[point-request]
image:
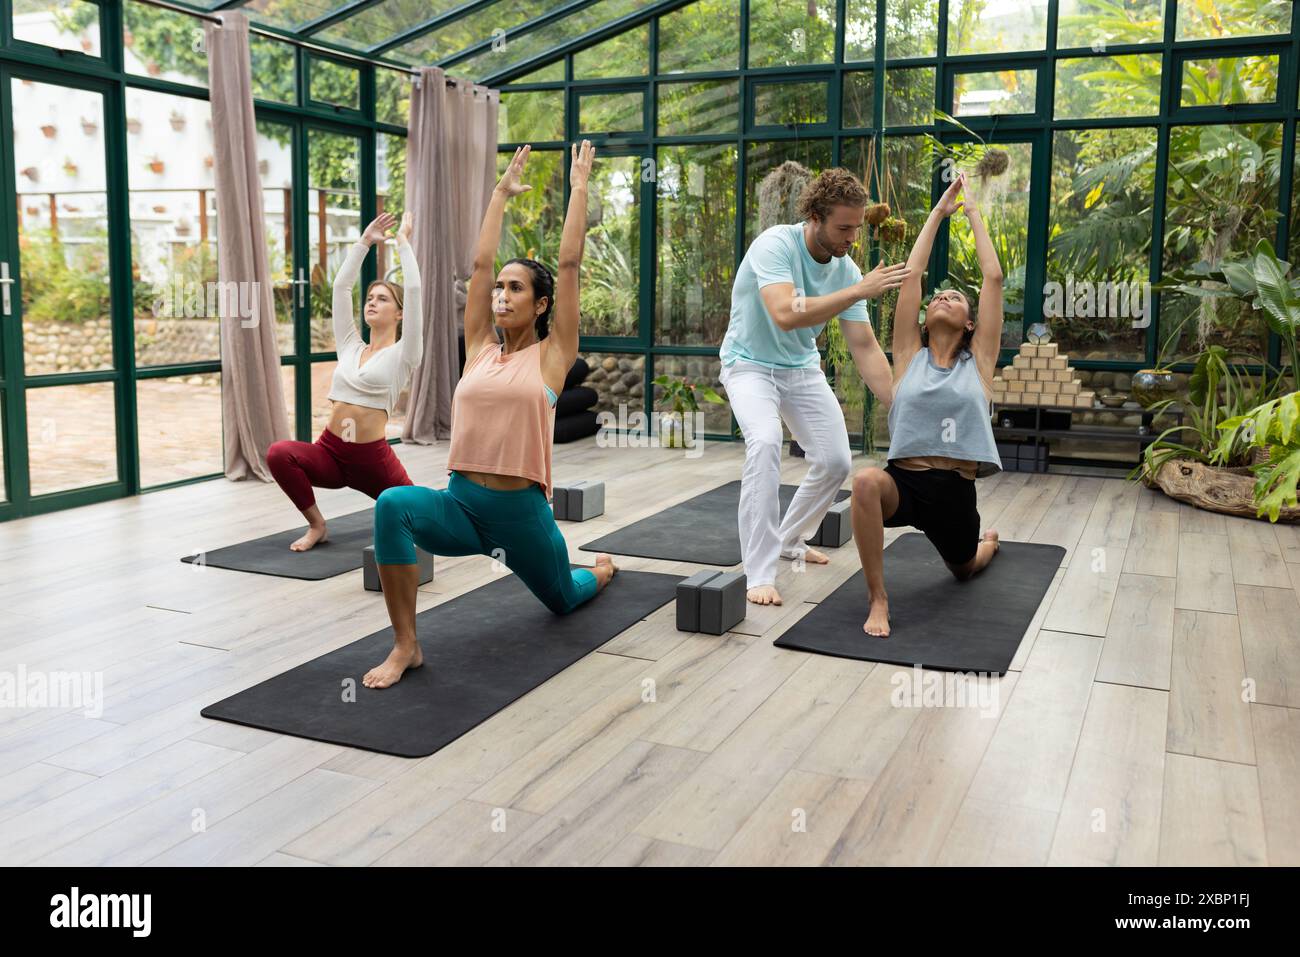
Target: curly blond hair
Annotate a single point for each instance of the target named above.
(834, 187)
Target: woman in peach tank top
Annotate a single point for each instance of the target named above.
(495, 502)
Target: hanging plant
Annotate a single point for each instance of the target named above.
(89, 127)
(155, 165)
(132, 125)
(49, 129)
(177, 121)
(69, 167)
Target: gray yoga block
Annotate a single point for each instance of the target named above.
(579, 501)
(836, 527)
(370, 571)
(688, 600)
(722, 603)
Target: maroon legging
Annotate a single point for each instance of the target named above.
(330, 462)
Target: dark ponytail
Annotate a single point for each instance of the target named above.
(543, 285)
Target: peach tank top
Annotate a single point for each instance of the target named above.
(501, 419)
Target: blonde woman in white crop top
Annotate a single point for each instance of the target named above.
(353, 449)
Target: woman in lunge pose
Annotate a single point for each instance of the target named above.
(503, 416)
(353, 448)
(941, 438)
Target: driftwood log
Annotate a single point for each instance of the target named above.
(1231, 491)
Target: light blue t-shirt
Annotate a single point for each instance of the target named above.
(779, 254)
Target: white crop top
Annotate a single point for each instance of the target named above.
(378, 384)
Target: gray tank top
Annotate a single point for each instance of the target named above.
(940, 411)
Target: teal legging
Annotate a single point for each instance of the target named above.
(516, 527)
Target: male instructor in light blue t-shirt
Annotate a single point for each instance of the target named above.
(793, 280)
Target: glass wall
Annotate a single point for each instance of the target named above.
(1114, 177)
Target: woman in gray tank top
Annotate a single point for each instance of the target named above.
(939, 421)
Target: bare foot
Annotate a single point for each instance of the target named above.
(816, 557)
(764, 595)
(877, 623)
(315, 533)
(604, 570)
(992, 536)
(391, 671)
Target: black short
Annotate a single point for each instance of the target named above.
(940, 503)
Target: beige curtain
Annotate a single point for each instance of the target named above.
(451, 162)
(252, 403)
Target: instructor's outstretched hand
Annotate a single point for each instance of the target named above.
(882, 279)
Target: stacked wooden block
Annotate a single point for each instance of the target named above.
(1040, 376)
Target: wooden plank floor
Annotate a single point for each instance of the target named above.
(1151, 714)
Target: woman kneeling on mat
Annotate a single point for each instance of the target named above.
(941, 436)
(353, 449)
(503, 416)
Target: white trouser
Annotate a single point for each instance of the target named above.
(760, 399)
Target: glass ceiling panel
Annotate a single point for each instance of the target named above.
(535, 42)
(476, 28)
(385, 20)
(290, 14)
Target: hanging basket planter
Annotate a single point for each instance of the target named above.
(70, 167)
(183, 227)
(33, 210)
(177, 121)
(49, 129)
(160, 209)
(32, 173)
(207, 162)
(153, 69)
(87, 44)
(89, 127)
(156, 165)
(132, 125)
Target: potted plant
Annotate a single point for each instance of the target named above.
(1236, 454)
(207, 161)
(153, 68)
(160, 208)
(49, 129)
(177, 120)
(156, 165)
(31, 172)
(33, 210)
(132, 125)
(89, 127)
(685, 397)
(69, 167)
(182, 227)
(87, 44)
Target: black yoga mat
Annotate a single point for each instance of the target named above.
(270, 555)
(701, 530)
(935, 620)
(482, 650)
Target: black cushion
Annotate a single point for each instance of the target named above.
(575, 400)
(579, 425)
(577, 374)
